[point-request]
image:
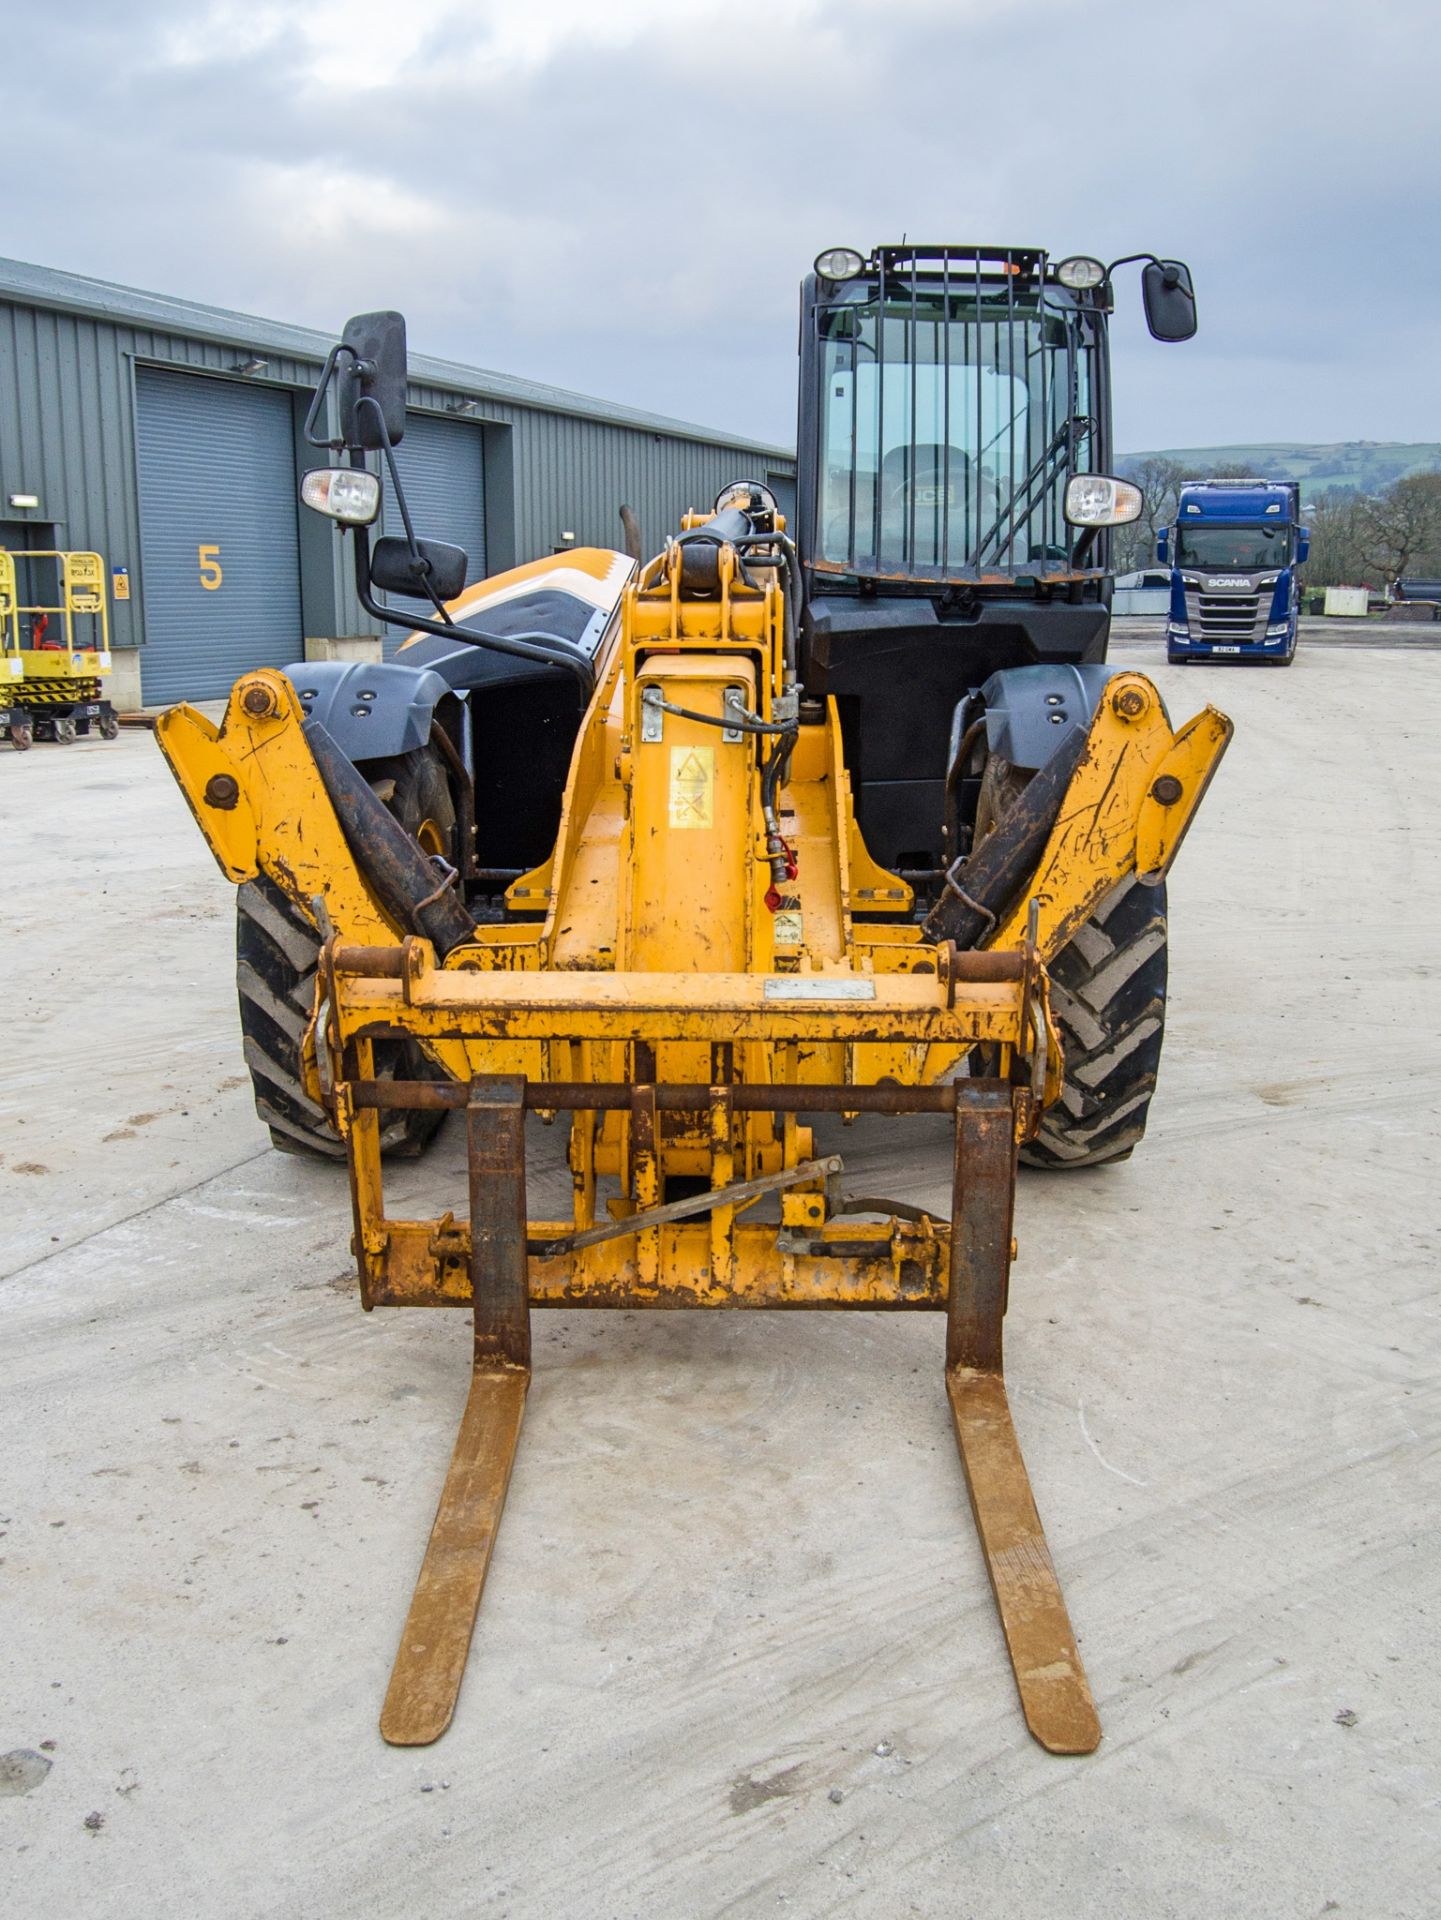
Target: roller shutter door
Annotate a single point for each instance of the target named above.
(218, 535)
(783, 486)
(442, 463)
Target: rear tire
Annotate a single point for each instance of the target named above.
(277, 951)
(1108, 997)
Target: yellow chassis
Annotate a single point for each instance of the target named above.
(648, 988)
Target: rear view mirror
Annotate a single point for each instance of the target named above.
(1303, 545)
(1170, 299)
(1163, 546)
(371, 380)
(393, 568)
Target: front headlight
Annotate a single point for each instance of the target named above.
(1096, 500)
(1278, 629)
(347, 494)
(1080, 272)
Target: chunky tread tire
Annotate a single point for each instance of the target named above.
(277, 950)
(1108, 995)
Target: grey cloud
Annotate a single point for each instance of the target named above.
(635, 219)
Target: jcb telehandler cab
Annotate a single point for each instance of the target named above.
(852, 824)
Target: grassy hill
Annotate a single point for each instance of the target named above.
(1364, 465)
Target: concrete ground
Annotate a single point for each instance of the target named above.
(738, 1655)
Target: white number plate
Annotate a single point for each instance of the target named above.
(802, 986)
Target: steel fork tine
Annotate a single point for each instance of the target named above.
(430, 1663)
(1055, 1694)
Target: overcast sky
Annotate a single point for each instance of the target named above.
(622, 199)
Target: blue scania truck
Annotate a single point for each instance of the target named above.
(1233, 555)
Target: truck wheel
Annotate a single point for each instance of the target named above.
(1108, 995)
(22, 736)
(63, 730)
(277, 950)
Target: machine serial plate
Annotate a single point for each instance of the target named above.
(800, 986)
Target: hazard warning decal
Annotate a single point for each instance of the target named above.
(692, 786)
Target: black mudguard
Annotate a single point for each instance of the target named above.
(370, 712)
(1030, 712)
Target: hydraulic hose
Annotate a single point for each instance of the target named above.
(979, 889)
(415, 889)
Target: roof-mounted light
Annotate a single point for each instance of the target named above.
(839, 263)
(1080, 273)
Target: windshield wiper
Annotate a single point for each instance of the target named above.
(1066, 439)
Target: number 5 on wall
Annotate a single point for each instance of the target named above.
(210, 574)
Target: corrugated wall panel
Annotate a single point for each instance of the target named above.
(575, 475)
(67, 432)
(222, 563)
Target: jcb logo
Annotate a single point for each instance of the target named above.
(210, 573)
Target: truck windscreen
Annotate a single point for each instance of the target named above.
(948, 427)
(1254, 549)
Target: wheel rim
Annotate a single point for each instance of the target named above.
(430, 836)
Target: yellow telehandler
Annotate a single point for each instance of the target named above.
(853, 823)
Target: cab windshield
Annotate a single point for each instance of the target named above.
(1233, 549)
(948, 427)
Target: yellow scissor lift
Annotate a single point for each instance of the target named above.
(52, 686)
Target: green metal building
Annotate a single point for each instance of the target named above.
(167, 437)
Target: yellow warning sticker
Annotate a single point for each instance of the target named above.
(692, 786)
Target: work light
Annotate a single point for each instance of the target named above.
(347, 494)
(1096, 500)
(839, 263)
(1080, 272)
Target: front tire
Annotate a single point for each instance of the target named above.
(1108, 996)
(277, 952)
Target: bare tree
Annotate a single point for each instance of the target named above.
(1402, 527)
(1338, 545)
(1159, 478)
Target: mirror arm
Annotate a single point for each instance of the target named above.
(1152, 260)
(366, 400)
(1080, 553)
(534, 648)
(322, 387)
(1128, 259)
(422, 565)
